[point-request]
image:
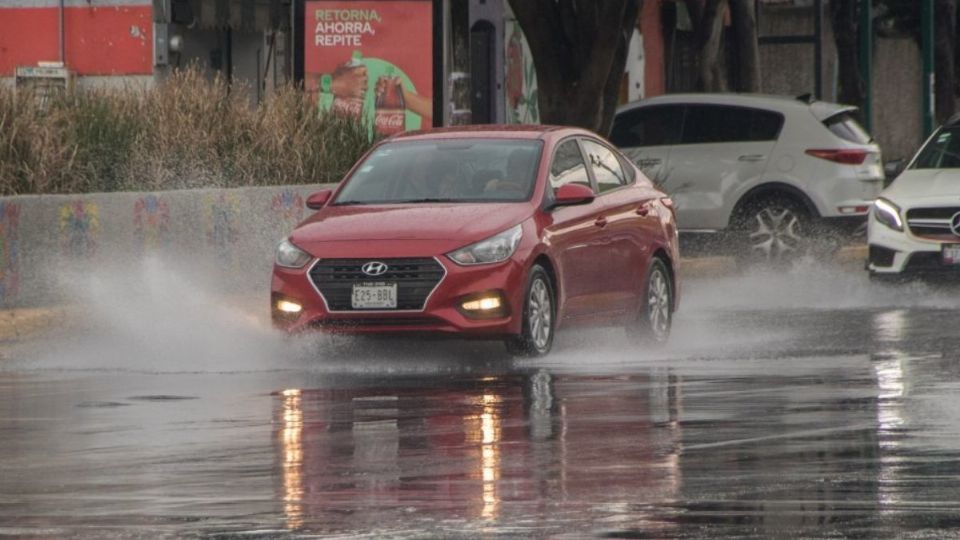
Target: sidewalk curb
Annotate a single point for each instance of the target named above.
(849, 258)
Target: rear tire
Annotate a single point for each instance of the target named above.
(539, 317)
(773, 231)
(653, 322)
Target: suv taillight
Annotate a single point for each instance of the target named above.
(846, 156)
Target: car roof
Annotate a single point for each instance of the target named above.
(820, 109)
(498, 131)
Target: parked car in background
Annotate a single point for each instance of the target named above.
(914, 227)
(489, 232)
(772, 173)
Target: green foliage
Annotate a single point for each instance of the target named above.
(187, 132)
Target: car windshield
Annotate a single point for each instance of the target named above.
(942, 152)
(448, 170)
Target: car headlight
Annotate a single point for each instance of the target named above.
(498, 247)
(888, 213)
(290, 256)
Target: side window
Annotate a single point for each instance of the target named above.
(606, 167)
(765, 126)
(647, 126)
(705, 124)
(567, 166)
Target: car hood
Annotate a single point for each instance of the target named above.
(925, 186)
(442, 226)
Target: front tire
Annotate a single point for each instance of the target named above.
(539, 317)
(654, 321)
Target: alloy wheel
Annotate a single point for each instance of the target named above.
(540, 314)
(776, 234)
(659, 305)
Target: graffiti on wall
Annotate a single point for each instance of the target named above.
(79, 229)
(151, 223)
(221, 212)
(287, 207)
(520, 77)
(9, 251)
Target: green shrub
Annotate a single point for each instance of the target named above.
(186, 132)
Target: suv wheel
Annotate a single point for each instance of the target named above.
(773, 230)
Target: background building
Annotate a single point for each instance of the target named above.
(477, 60)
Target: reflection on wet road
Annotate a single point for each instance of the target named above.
(819, 415)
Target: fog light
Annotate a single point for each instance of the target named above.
(286, 306)
(482, 304)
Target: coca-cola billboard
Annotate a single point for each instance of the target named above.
(371, 60)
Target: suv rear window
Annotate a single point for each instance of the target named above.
(706, 124)
(845, 126)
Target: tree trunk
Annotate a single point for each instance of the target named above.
(845, 16)
(579, 49)
(945, 40)
(744, 18)
(709, 31)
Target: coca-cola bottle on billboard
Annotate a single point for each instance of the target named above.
(350, 105)
(390, 108)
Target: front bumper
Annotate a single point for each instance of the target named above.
(894, 252)
(440, 314)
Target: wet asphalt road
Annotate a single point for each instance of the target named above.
(805, 404)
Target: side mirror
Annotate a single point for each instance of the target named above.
(318, 199)
(572, 195)
(893, 168)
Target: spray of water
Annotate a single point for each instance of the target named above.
(160, 315)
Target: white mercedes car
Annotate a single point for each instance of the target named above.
(914, 226)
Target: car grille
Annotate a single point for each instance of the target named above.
(353, 323)
(415, 279)
(933, 223)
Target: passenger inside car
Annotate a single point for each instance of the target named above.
(517, 176)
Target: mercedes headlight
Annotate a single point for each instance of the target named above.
(888, 213)
(498, 247)
(290, 256)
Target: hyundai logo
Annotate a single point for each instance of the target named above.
(374, 268)
(955, 224)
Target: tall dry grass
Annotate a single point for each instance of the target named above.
(186, 132)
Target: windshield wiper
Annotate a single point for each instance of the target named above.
(425, 200)
(350, 203)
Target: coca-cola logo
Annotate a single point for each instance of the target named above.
(393, 120)
(348, 107)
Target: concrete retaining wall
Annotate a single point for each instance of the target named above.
(227, 236)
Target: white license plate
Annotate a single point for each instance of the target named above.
(374, 296)
(951, 254)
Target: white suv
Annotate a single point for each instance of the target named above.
(915, 224)
(768, 169)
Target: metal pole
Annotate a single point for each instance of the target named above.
(929, 77)
(866, 61)
(818, 48)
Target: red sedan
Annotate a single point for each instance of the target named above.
(491, 232)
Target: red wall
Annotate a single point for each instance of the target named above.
(115, 40)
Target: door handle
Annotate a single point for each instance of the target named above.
(601, 222)
(751, 157)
